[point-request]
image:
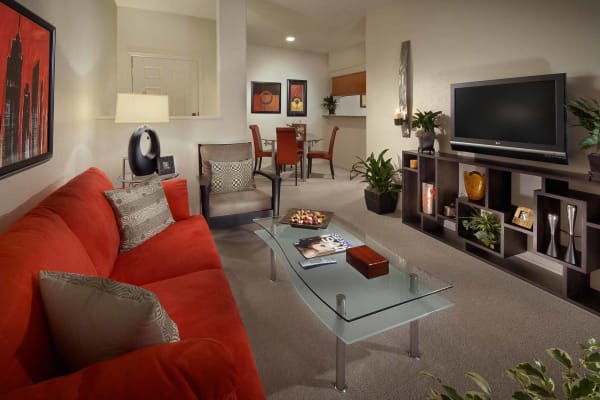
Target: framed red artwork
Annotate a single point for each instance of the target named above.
(266, 98)
(26, 88)
(296, 101)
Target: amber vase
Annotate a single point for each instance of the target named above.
(474, 185)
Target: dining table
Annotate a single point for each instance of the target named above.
(307, 144)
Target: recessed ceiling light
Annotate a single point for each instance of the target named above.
(290, 39)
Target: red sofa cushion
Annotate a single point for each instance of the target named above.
(184, 247)
(202, 305)
(81, 204)
(194, 369)
(39, 240)
(176, 193)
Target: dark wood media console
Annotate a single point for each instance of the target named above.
(552, 196)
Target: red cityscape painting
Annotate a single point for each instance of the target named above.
(26, 88)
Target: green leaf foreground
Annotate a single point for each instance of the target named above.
(534, 383)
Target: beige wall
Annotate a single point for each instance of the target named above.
(352, 136)
(85, 77)
(347, 61)
(272, 64)
(180, 137)
(86, 88)
(159, 33)
(469, 40)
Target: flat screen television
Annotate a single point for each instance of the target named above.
(517, 117)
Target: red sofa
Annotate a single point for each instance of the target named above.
(74, 230)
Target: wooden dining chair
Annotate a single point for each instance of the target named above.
(259, 153)
(287, 150)
(325, 155)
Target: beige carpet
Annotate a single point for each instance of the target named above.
(497, 321)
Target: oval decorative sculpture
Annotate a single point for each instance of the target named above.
(474, 185)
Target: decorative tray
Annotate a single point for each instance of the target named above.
(304, 218)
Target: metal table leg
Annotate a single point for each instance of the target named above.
(273, 270)
(340, 351)
(414, 325)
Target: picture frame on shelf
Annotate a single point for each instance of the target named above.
(27, 46)
(524, 217)
(296, 98)
(166, 165)
(265, 98)
(363, 101)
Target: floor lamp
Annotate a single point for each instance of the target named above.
(144, 146)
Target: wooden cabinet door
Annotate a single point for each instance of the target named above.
(351, 84)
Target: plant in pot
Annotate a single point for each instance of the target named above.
(427, 121)
(330, 103)
(588, 113)
(485, 227)
(381, 196)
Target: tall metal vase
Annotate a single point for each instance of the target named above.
(553, 223)
(571, 215)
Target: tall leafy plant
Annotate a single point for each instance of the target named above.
(378, 172)
(588, 113)
(580, 381)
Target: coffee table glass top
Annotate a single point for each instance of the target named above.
(404, 294)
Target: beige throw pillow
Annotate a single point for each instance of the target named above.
(142, 212)
(94, 319)
(231, 176)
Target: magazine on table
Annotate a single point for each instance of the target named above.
(322, 245)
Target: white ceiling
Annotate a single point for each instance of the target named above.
(318, 25)
(195, 8)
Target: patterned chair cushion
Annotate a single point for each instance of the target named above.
(94, 319)
(142, 212)
(231, 176)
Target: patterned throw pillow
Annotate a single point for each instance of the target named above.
(142, 212)
(231, 176)
(94, 319)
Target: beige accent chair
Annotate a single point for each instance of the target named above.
(235, 208)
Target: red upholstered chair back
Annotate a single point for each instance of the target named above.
(256, 138)
(332, 140)
(286, 146)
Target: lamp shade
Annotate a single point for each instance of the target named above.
(142, 108)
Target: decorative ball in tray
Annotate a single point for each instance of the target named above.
(304, 218)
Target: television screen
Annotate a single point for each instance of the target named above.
(516, 117)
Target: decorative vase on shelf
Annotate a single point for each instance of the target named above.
(474, 185)
(570, 254)
(553, 223)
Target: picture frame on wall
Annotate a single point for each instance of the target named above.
(265, 98)
(27, 44)
(296, 98)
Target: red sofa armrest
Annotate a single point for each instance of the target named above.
(176, 193)
(190, 369)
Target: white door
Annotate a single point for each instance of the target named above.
(176, 77)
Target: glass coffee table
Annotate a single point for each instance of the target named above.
(351, 306)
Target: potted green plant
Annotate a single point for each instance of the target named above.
(580, 380)
(427, 121)
(485, 227)
(588, 113)
(330, 103)
(381, 196)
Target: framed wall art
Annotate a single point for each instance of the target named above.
(266, 98)
(166, 165)
(26, 88)
(296, 98)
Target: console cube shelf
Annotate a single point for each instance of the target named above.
(442, 170)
